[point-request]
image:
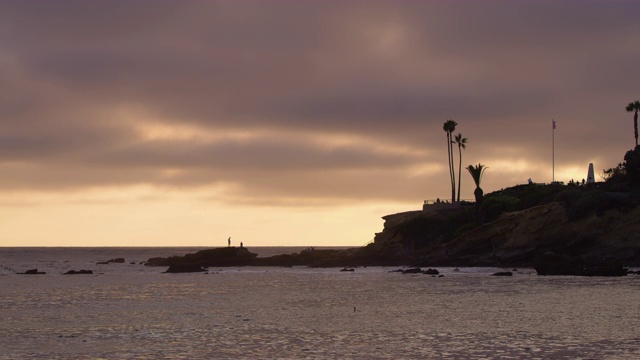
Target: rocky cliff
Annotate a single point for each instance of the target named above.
(515, 238)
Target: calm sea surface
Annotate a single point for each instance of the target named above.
(129, 311)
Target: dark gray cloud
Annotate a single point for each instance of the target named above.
(389, 72)
(267, 155)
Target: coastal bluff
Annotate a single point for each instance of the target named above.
(514, 238)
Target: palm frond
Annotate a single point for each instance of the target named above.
(476, 172)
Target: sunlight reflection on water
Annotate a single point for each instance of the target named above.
(129, 311)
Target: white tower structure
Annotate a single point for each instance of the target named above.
(590, 177)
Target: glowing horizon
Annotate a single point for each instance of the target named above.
(181, 124)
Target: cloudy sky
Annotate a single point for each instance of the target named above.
(293, 122)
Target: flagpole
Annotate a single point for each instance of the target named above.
(553, 151)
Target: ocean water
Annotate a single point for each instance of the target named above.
(129, 311)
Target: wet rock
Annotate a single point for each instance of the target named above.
(233, 256)
(554, 264)
(79, 272)
(348, 269)
(609, 267)
(184, 268)
(502, 273)
(115, 261)
(32, 272)
(416, 270)
(228, 256)
(431, 272)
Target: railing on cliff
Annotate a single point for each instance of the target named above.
(436, 205)
(438, 201)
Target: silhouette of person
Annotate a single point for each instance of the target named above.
(229, 241)
(241, 244)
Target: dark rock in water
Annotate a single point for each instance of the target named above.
(609, 267)
(417, 270)
(233, 256)
(502, 273)
(348, 269)
(344, 258)
(412, 271)
(553, 264)
(184, 268)
(79, 272)
(228, 256)
(115, 261)
(637, 272)
(33, 272)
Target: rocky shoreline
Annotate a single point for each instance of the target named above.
(546, 264)
(543, 237)
(234, 256)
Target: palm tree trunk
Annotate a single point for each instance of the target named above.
(459, 170)
(635, 126)
(453, 173)
(479, 194)
(450, 162)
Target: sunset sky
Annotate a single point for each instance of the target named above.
(175, 123)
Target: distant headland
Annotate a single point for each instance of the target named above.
(582, 229)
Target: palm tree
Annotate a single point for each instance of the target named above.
(634, 106)
(476, 173)
(449, 127)
(462, 144)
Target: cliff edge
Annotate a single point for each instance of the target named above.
(514, 238)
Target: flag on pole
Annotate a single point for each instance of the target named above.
(554, 124)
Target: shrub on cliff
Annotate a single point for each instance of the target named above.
(494, 206)
(627, 171)
(581, 203)
(465, 228)
(632, 165)
(531, 195)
